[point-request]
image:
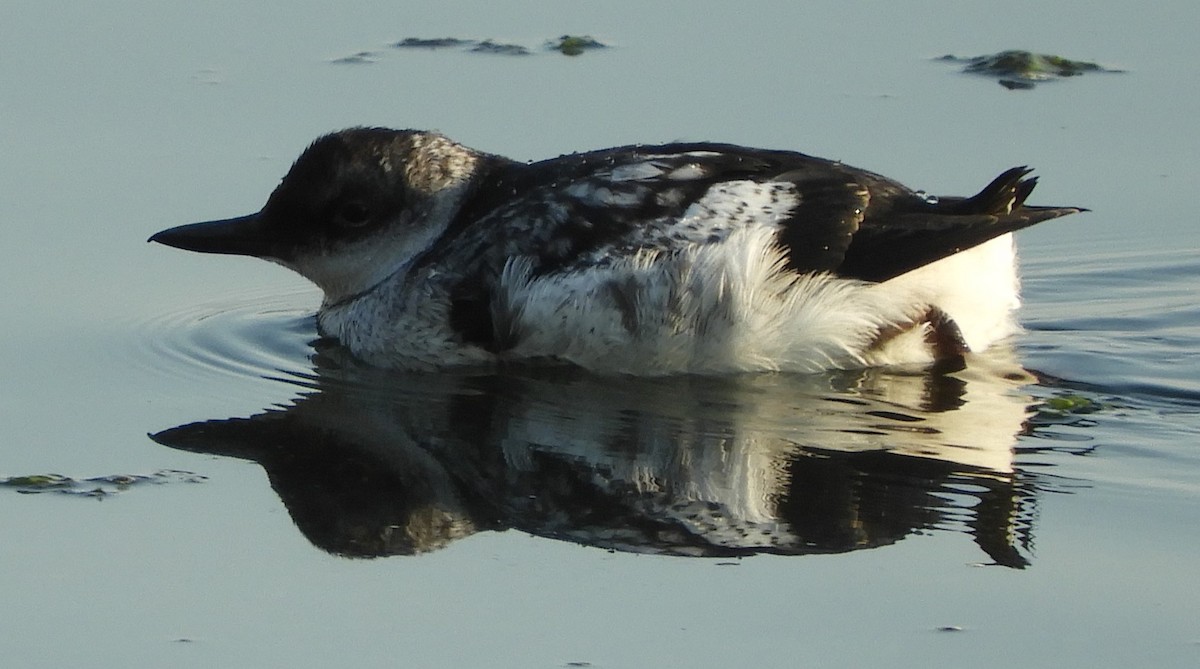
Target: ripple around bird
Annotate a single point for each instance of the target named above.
(250, 335)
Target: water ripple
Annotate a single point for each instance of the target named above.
(1121, 323)
(253, 334)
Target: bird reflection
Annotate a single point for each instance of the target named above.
(373, 463)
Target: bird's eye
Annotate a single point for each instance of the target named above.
(352, 214)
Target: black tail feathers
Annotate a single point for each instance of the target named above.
(1000, 197)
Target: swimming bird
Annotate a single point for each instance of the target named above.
(699, 258)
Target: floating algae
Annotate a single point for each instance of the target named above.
(1071, 404)
(574, 45)
(488, 46)
(1023, 69)
(96, 486)
(432, 43)
(571, 45)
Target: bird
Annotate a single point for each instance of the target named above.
(648, 260)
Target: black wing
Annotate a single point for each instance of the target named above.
(586, 208)
(848, 221)
(902, 231)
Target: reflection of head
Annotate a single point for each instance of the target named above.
(344, 499)
(350, 504)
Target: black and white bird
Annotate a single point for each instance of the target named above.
(678, 258)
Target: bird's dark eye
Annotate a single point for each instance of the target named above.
(352, 214)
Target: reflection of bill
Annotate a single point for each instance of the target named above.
(378, 463)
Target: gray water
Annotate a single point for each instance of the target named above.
(553, 519)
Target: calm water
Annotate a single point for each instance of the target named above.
(334, 514)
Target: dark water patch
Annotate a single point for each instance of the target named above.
(1174, 271)
(1121, 324)
(1132, 367)
(1144, 389)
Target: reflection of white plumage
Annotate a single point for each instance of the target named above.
(718, 457)
(374, 462)
(703, 258)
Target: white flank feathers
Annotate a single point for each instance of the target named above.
(728, 307)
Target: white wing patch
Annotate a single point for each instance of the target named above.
(725, 208)
(742, 203)
(643, 171)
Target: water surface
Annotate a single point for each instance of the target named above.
(542, 518)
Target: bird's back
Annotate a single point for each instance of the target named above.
(716, 258)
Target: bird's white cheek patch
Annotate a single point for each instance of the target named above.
(359, 266)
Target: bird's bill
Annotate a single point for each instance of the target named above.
(245, 235)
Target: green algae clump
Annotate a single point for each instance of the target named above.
(574, 45)
(1016, 70)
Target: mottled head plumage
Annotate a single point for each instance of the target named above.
(350, 182)
(354, 207)
(341, 187)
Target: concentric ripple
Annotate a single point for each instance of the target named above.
(251, 335)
